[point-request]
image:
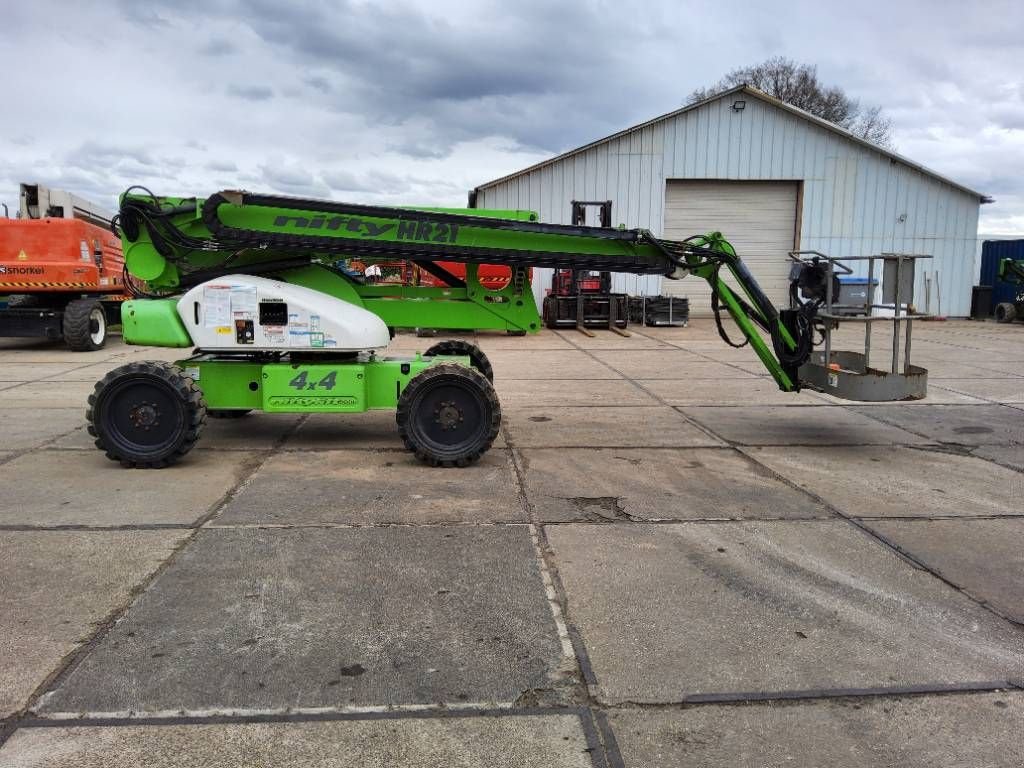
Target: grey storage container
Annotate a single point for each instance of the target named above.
(856, 291)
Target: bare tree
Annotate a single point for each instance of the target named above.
(798, 84)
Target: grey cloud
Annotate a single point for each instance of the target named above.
(419, 148)
(218, 46)
(161, 12)
(1011, 118)
(94, 155)
(318, 83)
(139, 13)
(400, 63)
(251, 92)
(373, 182)
(345, 181)
(292, 180)
(287, 176)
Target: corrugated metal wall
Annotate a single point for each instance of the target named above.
(855, 201)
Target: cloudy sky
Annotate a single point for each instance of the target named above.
(416, 102)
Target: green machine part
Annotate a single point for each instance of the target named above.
(306, 387)
(150, 414)
(176, 243)
(153, 323)
(166, 263)
(1011, 271)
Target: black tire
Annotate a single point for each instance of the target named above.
(460, 348)
(448, 415)
(1005, 312)
(85, 325)
(228, 413)
(146, 415)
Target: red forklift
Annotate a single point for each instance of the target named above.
(583, 299)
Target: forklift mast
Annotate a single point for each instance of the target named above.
(582, 298)
(603, 283)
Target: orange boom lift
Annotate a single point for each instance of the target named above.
(61, 270)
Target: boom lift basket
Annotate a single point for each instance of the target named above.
(849, 374)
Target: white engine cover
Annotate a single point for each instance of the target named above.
(247, 313)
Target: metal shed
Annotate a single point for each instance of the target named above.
(772, 178)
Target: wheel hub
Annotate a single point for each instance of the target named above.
(144, 415)
(97, 326)
(448, 415)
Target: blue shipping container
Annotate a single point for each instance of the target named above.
(992, 252)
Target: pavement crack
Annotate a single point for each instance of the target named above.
(602, 508)
(533, 697)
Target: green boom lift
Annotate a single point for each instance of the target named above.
(249, 283)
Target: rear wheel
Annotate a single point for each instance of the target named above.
(448, 415)
(85, 325)
(1005, 312)
(458, 348)
(146, 415)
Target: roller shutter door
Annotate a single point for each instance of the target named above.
(757, 217)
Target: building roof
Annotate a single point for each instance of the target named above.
(756, 94)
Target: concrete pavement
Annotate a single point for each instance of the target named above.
(662, 561)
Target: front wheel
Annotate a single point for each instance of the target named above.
(85, 325)
(146, 415)
(448, 415)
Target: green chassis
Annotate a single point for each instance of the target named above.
(321, 387)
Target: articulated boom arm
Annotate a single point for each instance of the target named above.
(176, 243)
